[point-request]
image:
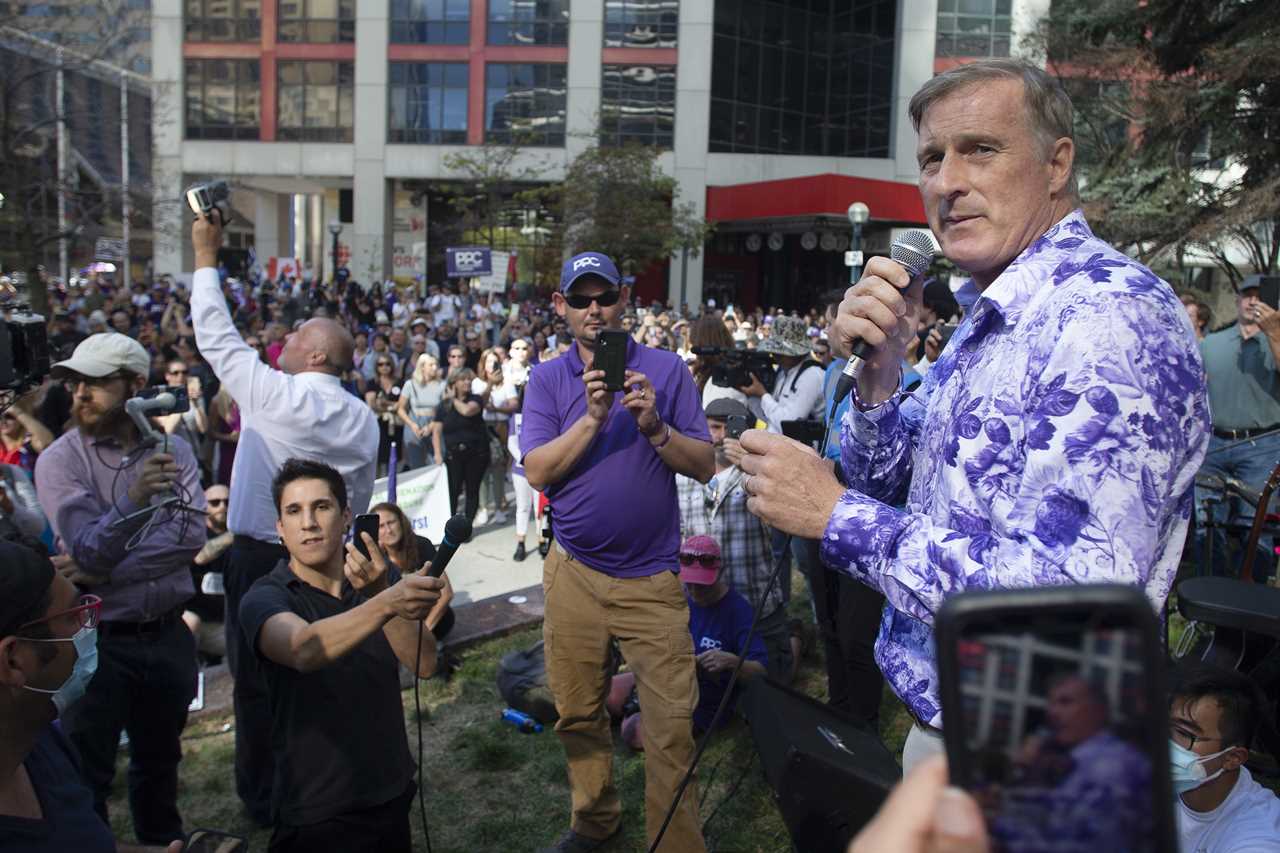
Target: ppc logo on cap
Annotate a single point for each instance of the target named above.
(588, 263)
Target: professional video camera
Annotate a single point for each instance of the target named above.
(204, 198)
(733, 368)
(24, 351)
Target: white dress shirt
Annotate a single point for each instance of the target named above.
(307, 415)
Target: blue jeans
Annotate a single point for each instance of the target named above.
(1250, 462)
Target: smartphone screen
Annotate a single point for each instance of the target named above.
(1269, 290)
(611, 357)
(1056, 721)
(365, 523)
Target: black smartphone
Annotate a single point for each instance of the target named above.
(181, 399)
(946, 330)
(736, 425)
(365, 523)
(1269, 290)
(213, 841)
(611, 357)
(1055, 717)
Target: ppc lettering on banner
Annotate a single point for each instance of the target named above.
(423, 494)
(467, 262)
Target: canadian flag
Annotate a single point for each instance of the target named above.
(277, 267)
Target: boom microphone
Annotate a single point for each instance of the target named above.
(913, 251)
(457, 531)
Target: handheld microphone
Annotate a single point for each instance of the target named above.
(457, 531)
(912, 250)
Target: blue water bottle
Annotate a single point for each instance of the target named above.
(521, 721)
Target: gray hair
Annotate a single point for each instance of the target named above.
(1048, 105)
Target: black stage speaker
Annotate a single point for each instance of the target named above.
(829, 775)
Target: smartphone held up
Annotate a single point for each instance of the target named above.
(1056, 717)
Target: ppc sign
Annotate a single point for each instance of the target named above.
(467, 261)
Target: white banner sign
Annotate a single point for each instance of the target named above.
(423, 494)
(496, 282)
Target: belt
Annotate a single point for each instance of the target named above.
(1237, 434)
(242, 541)
(137, 629)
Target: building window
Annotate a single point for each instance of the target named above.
(430, 21)
(812, 79)
(529, 22)
(641, 23)
(428, 103)
(317, 21)
(524, 104)
(316, 101)
(638, 104)
(973, 27)
(223, 20)
(222, 98)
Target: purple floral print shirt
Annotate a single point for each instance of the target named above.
(1054, 441)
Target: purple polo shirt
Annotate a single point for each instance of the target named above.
(616, 511)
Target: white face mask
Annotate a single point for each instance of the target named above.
(1187, 768)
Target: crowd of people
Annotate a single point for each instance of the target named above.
(994, 438)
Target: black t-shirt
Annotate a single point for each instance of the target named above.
(69, 822)
(457, 428)
(210, 608)
(337, 733)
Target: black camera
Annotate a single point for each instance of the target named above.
(733, 368)
(203, 199)
(24, 351)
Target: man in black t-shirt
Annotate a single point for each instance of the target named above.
(328, 632)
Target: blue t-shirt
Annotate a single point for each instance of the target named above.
(69, 823)
(723, 625)
(616, 511)
(829, 379)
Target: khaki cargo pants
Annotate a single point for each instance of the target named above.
(650, 618)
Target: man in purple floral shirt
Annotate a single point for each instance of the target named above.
(1056, 438)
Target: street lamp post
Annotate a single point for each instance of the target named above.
(335, 228)
(859, 213)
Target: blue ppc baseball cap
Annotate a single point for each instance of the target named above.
(588, 263)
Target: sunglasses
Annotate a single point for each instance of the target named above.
(384, 364)
(580, 302)
(88, 610)
(177, 373)
(707, 561)
(217, 501)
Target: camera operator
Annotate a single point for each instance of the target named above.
(608, 466)
(797, 390)
(328, 623)
(300, 410)
(48, 654)
(88, 481)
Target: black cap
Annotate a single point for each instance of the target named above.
(725, 407)
(24, 583)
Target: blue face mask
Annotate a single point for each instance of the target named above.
(1187, 768)
(86, 643)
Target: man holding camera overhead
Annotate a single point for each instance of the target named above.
(299, 411)
(93, 482)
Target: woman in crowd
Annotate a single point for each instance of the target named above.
(500, 402)
(22, 435)
(419, 400)
(383, 398)
(224, 429)
(709, 332)
(539, 347)
(466, 440)
(408, 552)
(526, 497)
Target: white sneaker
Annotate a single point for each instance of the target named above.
(482, 518)
(499, 517)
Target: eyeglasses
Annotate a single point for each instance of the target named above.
(1185, 738)
(707, 561)
(580, 301)
(88, 610)
(92, 381)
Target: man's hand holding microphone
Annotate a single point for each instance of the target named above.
(411, 599)
(882, 309)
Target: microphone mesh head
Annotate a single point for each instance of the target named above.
(914, 250)
(458, 529)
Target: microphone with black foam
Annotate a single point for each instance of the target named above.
(913, 251)
(457, 531)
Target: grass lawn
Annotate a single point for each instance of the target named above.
(491, 788)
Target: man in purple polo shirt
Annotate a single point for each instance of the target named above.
(608, 466)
